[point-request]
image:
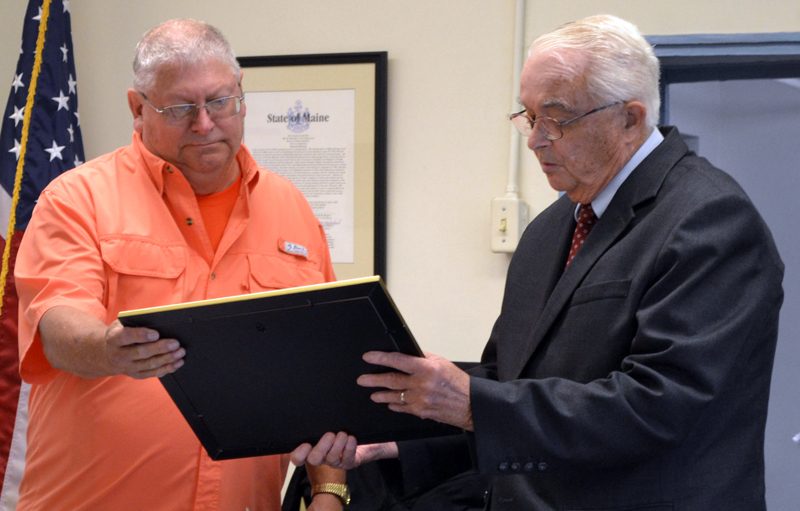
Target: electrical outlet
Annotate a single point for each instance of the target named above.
(509, 219)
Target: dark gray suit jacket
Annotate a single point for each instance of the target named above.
(639, 377)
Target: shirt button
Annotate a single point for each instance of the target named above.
(503, 467)
(515, 467)
(169, 169)
(542, 466)
(189, 221)
(213, 276)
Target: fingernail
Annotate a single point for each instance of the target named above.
(173, 345)
(152, 335)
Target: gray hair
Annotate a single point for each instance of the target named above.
(620, 66)
(182, 42)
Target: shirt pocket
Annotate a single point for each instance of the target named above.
(271, 272)
(143, 273)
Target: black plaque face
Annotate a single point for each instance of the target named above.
(267, 372)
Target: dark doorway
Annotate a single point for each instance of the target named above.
(737, 98)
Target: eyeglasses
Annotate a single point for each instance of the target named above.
(550, 128)
(218, 109)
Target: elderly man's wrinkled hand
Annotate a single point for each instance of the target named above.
(430, 387)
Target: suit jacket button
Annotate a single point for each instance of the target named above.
(529, 467)
(542, 466)
(503, 467)
(515, 467)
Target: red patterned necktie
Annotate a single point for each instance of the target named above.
(586, 220)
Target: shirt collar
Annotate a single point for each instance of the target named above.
(157, 167)
(603, 199)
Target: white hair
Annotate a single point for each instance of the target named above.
(182, 42)
(620, 63)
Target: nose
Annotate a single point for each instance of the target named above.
(202, 122)
(537, 140)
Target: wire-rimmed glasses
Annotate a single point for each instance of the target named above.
(550, 128)
(217, 109)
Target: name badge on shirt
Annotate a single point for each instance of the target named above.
(293, 248)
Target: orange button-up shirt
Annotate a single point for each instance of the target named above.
(124, 232)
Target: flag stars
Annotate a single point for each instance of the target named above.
(56, 81)
(17, 83)
(55, 151)
(78, 117)
(17, 149)
(62, 101)
(18, 115)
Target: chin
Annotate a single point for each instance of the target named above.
(556, 183)
(212, 161)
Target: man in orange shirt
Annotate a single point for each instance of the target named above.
(183, 213)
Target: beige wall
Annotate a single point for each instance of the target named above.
(450, 82)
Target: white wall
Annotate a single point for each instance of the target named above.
(450, 67)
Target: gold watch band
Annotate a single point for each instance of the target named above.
(340, 490)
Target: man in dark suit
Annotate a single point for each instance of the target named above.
(630, 365)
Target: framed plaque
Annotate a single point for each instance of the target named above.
(269, 371)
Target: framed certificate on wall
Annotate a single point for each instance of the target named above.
(320, 121)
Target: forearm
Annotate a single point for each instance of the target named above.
(325, 474)
(73, 341)
(83, 345)
(326, 502)
(565, 425)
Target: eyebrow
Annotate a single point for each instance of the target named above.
(216, 95)
(557, 103)
(552, 103)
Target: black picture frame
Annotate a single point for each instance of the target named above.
(231, 392)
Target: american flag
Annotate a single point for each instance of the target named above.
(40, 139)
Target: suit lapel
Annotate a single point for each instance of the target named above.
(643, 184)
(530, 282)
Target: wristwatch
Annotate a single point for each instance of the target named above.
(340, 490)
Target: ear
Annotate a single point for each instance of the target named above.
(241, 89)
(136, 104)
(635, 114)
